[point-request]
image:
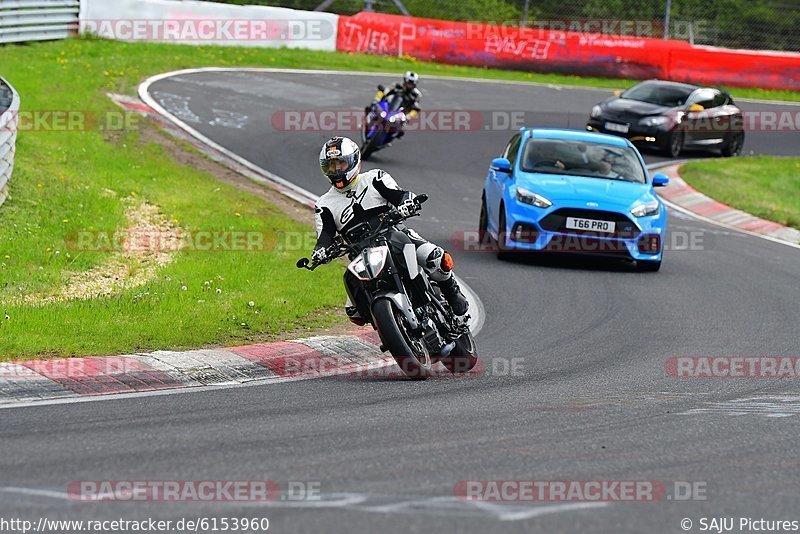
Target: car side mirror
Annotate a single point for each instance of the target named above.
(501, 165)
(660, 180)
(694, 108)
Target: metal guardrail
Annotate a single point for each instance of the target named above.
(37, 20)
(9, 109)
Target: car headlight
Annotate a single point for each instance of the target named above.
(529, 197)
(596, 112)
(648, 209)
(654, 121)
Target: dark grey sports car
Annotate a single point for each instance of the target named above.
(671, 116)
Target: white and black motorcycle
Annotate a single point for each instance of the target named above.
(413, 319)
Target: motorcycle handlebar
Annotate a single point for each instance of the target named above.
(338, 247)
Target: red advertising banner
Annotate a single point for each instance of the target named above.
(545, 50)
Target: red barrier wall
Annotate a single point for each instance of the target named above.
(541, 50)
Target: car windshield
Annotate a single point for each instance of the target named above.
(580, 158)
(659, 94)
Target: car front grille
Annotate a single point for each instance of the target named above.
(557, 222)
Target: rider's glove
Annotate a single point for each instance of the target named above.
(320, 255)
(408, 207)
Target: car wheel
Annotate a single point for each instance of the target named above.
(674, 143)
(648, 266)
(734, 145)
(502, 236)
(483, 222)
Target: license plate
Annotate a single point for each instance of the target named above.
(614, 127)
(593, 225)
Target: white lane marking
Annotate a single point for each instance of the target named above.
(772, 406)
(36, 492)
(477, 311)
(552, 86)
(357, 502)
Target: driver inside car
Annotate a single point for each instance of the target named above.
(376, 192)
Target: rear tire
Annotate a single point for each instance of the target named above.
(387, 321)
(734, 145)
(463, 357)
(648, 266)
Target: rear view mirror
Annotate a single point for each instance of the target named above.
(660, 180)
(694, 108)
(501, 165)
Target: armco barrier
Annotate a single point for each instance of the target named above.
(9, 107)
(37, 20)
(209, 23)
(535, 49)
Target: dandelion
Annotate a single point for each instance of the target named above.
(184, 288)
(8, 317)
(251, 303)
(219, 291)
(206, 283)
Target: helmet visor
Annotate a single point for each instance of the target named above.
(339, 169)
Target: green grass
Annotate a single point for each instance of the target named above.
(763, 186)
(60, 187)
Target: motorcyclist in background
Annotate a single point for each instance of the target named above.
(376, 192)
(409, 93)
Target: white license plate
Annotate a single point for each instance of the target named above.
(593, 225)
(614, 127)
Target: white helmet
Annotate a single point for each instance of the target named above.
(340, 161)
(411, 78)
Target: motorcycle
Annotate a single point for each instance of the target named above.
(383, 121)
(413, 319)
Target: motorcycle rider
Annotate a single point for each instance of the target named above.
(407, 91)
(376, 192)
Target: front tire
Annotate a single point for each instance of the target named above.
(674, 145)
(415, 364)
(369, 147)
(503, 252)
(648, 266)
(463, 357)
(734, 145)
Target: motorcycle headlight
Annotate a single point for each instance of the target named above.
(596, 112)
(383, 114)
(648, 209)
(654, 121)
(529, 197)
(370, 263)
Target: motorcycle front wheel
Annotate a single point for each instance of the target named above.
(410, 354)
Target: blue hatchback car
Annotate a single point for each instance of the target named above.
(574, 191)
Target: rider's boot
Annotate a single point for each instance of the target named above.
(452, 293)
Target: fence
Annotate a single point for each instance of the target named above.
(750, 24)
(9, 107)
(37, 20)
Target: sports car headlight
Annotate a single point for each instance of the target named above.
(596, 112)
(654, 121)
(648, 209)
(529, 197)
(370, 263)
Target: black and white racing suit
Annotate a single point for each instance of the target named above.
(376, 191)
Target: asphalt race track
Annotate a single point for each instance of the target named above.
(590, 398)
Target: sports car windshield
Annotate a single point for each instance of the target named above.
(658, 94)
(579, 158)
